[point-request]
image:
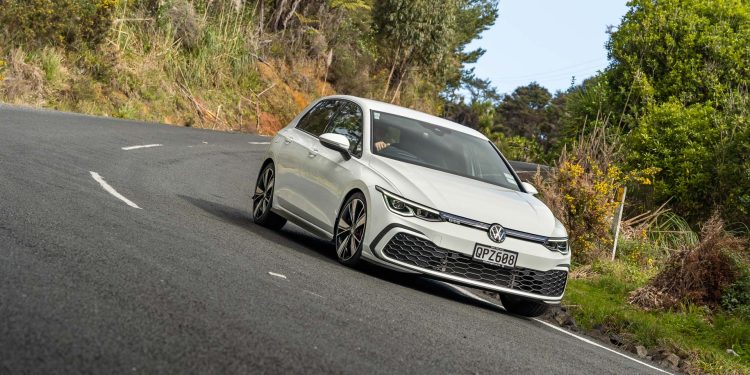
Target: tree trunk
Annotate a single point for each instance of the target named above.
(278, 13)
(397, 92)
(390, 75)
(401, 77)
(262, 18)
(289, 15)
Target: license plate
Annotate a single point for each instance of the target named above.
(493, 255)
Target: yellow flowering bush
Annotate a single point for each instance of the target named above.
(583, 193)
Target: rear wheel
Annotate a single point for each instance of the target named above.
(350, 230)
(523, 307)
(263, 199)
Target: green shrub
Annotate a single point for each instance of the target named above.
(681, 142)
(52, 64)
(736, 299)
(520, 148)
(64, 23)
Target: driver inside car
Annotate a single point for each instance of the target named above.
(380, 135)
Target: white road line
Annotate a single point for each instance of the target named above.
(259, 143)
(315, 294)
(111, 190)
(468, 293)
(141, 146)
(277, 275)
(599, 345)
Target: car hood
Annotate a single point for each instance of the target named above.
(466, 197)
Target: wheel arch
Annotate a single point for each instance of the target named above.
(351, 192)
(266, 162)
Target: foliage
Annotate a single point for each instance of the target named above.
(681, 141)
(529, 112)
(586, 106)
(583, 192)
(414, 33)
(519, 148)
(669, 232)
(690, 51)
(678, 81)
(64, 23)
(185, 24)
(696, 274)
(736, 298)
(473, 18)
(600, 301)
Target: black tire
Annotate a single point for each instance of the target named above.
(350, 230)
(263, 199)
(523, 307)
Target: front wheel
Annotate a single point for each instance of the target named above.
(350, 230)
(523, 307)
(263, 199)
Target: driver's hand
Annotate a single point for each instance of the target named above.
(380, 145)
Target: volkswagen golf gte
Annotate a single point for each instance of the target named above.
(415, 193)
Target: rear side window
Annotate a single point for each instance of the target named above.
(349, 122)
(316, 120)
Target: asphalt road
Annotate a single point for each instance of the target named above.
(89, 284)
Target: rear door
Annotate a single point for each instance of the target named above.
(292, 187)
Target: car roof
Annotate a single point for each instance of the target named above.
(369, 104)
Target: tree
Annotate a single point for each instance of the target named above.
(413, 34)
(679, 69)
(694, 51)
(430, 37)
(473, 18)
(530, 112)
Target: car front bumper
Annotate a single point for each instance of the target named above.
(443, 250)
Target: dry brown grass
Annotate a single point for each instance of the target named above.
(696, 274)
(23, 82)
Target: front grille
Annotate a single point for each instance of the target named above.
(425, 254)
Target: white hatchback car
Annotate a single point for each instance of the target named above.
(415, 193)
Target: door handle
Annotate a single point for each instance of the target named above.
(288, 140)
(313, 153)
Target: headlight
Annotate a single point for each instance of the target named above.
(559, 245)
(405, 207)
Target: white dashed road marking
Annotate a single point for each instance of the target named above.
(315, 294)
(141, 146)
(277, 275)
(468, 293)
(112, 191)
(259, 143)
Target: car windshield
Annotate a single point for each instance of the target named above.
(436, 147)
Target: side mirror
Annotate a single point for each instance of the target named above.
(336, 142)
(529, 188)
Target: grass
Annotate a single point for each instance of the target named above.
(143, 72)
(601, 301)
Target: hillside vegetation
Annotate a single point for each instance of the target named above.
(232, 65)
(665, 126)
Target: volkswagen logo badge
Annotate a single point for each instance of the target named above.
(496, 233)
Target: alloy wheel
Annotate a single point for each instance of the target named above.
(350, 230)
(263, 194)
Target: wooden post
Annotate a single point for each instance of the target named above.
(618, 218)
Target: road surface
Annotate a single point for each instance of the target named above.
(172, 276)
